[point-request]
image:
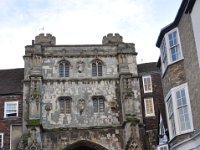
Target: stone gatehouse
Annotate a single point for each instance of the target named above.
(81, 96)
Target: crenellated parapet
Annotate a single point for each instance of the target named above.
(45, 40)
(112, 39)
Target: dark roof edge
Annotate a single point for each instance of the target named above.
(10, 69)
(190, 6)
(14, 93)
(173, 24)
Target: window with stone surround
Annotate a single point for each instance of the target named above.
(149, 107)
(147, 83)
(98, 104)
(1, 140)
(64, 68)
(179, 111)
(11, 109)
(65, 104)
(170, 49)
(97, 68)
(163, 147)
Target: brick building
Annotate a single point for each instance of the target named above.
(179, 44)
(10, 107)
(152, 102)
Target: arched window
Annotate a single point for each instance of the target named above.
(98, 104)
(65, 105)
(64, 69)
(97, 68)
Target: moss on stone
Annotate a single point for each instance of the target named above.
(131, 117)
(33, 122)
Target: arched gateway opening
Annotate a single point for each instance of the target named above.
(85, 145)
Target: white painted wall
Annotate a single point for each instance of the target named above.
(196, 26)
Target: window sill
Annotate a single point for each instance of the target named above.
(146, 92)
(180, 134)
(10, 118)
(150, 116)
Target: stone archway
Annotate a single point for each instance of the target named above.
(85, 145)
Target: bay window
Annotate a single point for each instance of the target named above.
(179, 113)
(170, 48)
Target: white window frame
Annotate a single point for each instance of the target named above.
(172, 94)
(166, 57)
(144, 84)
(161, 147)
(152, 104)
(1, 146)
(5, 108)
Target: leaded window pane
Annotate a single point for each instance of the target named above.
(65, 105)
(68, 106)
(61, 70)
(95, 105)
(101, 105)
(99, 69)
(66, 70)
(147, 84)
(94, 69)
(98, 104)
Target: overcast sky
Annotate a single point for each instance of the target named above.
(82, 22)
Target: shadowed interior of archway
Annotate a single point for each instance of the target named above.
(85, 145)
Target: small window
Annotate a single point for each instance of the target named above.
(174, 46)
(11, 109)
(97, 68)
(65, 105)
(147, 84)
(183, 110)
(149, 107)
(64, 69)
(163, 147)
(98, 104)
(1, 140)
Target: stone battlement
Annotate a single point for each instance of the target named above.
(112, 39)
(45, 40)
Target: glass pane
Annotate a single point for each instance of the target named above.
(101, 105)
(62, 106)
(61, 70)
(175, 37)
(11, 108)
(95, 105)
(66, 70)
(94, 69)
(68, 106)
(99, 69)
(174, 53)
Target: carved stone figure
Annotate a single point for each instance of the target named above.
(81, 105)
(80, 66)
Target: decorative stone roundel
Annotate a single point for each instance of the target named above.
(48, 106)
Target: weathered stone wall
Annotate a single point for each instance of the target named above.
(79, 90)
(106, 128)
(108, 138)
